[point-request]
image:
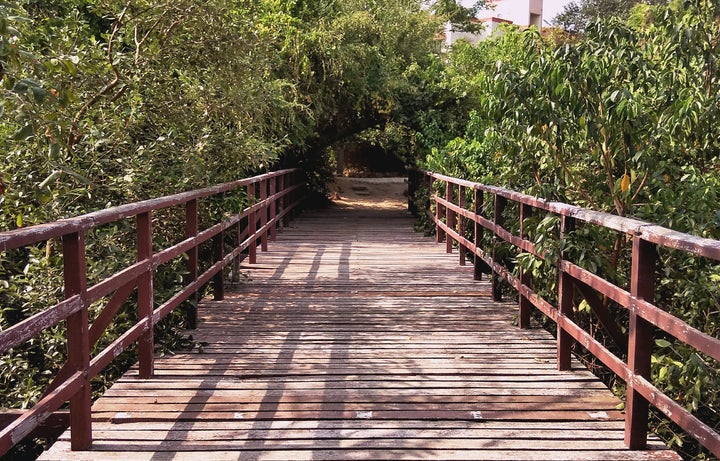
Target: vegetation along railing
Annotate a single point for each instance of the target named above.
(264, 203)
(466, 212)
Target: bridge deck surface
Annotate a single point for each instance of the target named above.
(355, 338)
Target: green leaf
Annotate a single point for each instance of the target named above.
(24, 133)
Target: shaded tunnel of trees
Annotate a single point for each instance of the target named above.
(107, 102)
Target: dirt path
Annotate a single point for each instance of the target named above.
(375, 193)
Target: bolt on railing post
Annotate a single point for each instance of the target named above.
(461, 224)
(449, 216)
(524, 304)
(252, 225)
(273, 209)
(640, 342)
(500, 203)
(78, 340)
(191, 265)
(566, 293)
(477, 233)
(145, 296)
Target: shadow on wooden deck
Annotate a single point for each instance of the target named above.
(356, 338)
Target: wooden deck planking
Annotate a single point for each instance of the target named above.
(355, 338)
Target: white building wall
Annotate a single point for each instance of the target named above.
(524, 13)
(452, 36)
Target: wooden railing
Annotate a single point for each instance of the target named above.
(271, 200)
(459, 219)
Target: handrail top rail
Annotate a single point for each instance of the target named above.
(272, 199)
(654, 233)
(451, 214)
(40, 232)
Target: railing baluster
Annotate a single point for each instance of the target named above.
(566, 293)
(252, 225)
(191, 265)
(273, 210)
(439, 233)
(500, 203)
(478, 233)
(283, 202)
(449, 216)
(145, 295)
(263, 215)
(461, 224)
(524, 304)
(218, 254)
(640, 342)
(78, 339)
(237, 259)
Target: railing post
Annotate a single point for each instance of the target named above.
(252, 225)
(461, 224)
(273, 209)
(640, 342)
(449, 216)
(191, 265)
(478, 233)
(283, 201)
(238, 259)
(439, 234)
(263, 215)
(218, 254)
(235, 270)
(145, 296)
(566, 293)
(500, 203)
(524, 304)
(78, 340)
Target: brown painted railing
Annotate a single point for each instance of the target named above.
(453, 216)
(272, 199)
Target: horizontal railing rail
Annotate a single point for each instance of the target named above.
(452, 216)
(271, 200)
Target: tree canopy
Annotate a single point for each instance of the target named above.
(103, 97)
(577, 14)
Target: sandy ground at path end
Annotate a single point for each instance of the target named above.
(375, 193)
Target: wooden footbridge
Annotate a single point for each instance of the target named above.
(350, 337)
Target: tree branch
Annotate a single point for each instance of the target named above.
(75, 134)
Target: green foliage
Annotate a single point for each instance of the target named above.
(621, 119)
(576, 15)
(462, 18)
(105, 102)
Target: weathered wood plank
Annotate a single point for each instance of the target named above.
(354, 338)
(62, 453)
